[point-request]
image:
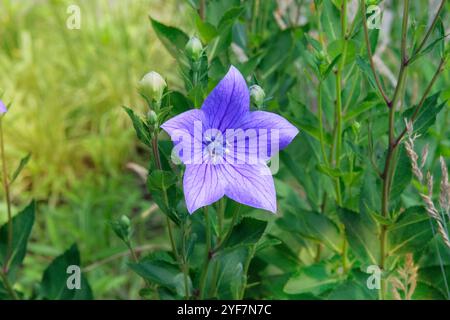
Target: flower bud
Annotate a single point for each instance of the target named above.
(122, 228)
(125, 221)
(356, 127)
(321, 56)
(152, 86)
(257, 95)
(194, 49)
(152, 117)
(3, 108)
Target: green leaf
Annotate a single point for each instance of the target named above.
(314, 279)
(403, 174)
(229, 17)
(160, 269)
(331, 172)
(231, 273)
(336, 49)
(354, 288)
(141, 128)
(369, 200)
(371, 101)
(206, 30)
(411, 232)
(161, 185)
(312, 225)
(330, 66)
(22, 224)
(330, 19)
(54, 285)
(247, 232)
(172, 38)
(427, 114)
(23, 162)
(362, 235)
(161, 180)
(367, 71)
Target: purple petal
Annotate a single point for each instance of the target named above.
(3, 108)
(184, 121)
(183, 131)
(273, 130)
(228, 102)
(202, 186)
(251, 185)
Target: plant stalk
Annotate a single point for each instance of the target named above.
(8, 199)
(204, 274)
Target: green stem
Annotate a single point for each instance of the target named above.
(338, 123)
(172, 239)
(230, 228)
(8, 199)
(251, 253)
(204, 274)
(255, 9)
(422, 100)
(320, 116)
(430, 30)
(8, 286)
(181, 259)
(220, 215)
(387, 175)
(185, 264)
(369, 53)
(202, 9)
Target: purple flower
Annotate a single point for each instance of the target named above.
(226, 148)
(3, 108)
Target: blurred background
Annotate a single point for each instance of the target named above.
(67, 88)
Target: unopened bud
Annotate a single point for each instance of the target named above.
(122, 228)
(194, 49)
(152, 117)
(257, 95)
(356, 127)
(152, 86)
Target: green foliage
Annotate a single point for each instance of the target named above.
(347, 196)
(21, 228)
(54, 281)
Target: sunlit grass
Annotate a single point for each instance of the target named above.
(67, 88)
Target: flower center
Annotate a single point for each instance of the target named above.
(216, 149)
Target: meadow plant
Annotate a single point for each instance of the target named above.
(345, 204)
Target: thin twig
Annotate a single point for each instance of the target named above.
(422, 100)
(370, 54)
(430, 29)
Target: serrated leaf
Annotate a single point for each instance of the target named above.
(312, 225)
(314, 279)
(427, 114)
(247, 232)
(411, 232)
(161, 180)
(362, 235)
